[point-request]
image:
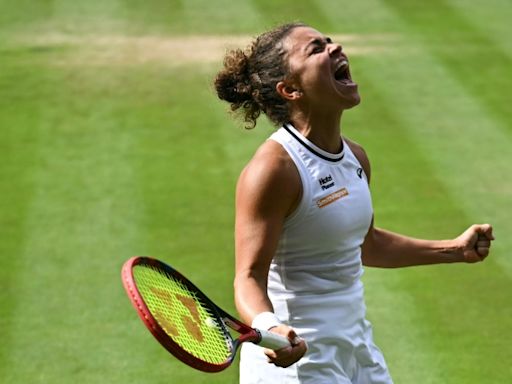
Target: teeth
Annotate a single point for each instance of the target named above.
(341, 71)
(343, 64)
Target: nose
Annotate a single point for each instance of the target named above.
(334, 49)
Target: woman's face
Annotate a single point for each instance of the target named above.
(320, 69)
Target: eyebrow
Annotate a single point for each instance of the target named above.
(318, 41)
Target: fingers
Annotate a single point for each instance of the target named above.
(481, 241)
(484, 238)
(477, 240)
(482, 246)
(485, 230)
(287, 356)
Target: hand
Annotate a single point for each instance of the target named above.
(287, 356)
(475, 242)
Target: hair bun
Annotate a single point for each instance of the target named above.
(233, 83)
(249, 78)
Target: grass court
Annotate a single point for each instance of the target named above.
(113, 144)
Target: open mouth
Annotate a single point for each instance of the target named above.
(342, 72)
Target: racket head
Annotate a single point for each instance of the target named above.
(185, 322)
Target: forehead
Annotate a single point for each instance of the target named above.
(300, 37)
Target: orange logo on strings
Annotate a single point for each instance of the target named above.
(191, 323)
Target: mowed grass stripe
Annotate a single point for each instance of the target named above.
(425, 316)
(185, 185)
(432, 321)
(409, 197)
(189, 187)
(18, 114)
(21, 112)
(79, 228)
(475, 60)
(459, 136)
(367, 16)
(491, 18)
(308, 11)
(189, 17)
(459, 159)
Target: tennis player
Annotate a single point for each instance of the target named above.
(304, 217)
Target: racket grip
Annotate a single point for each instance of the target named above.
(272, 340)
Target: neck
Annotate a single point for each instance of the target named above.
(323, 131)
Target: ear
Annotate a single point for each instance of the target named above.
(287, 91)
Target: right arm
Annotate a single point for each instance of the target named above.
(268, 190)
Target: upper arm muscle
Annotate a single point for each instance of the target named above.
(267, 191)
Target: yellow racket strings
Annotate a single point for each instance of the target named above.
(181, 314)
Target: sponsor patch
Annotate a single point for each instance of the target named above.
(324, 201)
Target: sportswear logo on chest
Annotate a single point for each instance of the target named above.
(326, 182)
(360, 172)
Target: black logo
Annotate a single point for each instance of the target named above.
(326, 182)
(360, 172)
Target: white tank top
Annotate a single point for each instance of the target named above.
(320, 247)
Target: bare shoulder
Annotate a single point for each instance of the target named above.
(271, 161)
(270, 177)
(361, 156)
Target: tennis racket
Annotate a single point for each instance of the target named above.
(185, 322)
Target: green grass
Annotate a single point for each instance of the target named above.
(104, 156)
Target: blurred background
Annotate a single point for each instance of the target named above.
(113, 144)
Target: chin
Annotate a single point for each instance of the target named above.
(353, 102)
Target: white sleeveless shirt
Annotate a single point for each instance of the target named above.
(320, 248)
(314, 279)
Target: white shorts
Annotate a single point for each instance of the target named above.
(340, 343)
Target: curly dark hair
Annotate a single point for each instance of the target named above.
(249, 78)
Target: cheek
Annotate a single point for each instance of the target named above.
(310, 76)
(303, 73)
(297, 73)
(317, 76)
(315, 80)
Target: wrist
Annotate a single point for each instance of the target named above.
(265, 321)
(453, 251)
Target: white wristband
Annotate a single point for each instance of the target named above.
(265, 321)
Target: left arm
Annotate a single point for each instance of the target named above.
(387, 249)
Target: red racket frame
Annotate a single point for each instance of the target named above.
(246, 333)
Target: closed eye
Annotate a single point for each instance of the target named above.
(317, 49)
(318, 45)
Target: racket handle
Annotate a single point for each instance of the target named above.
(272, 340)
